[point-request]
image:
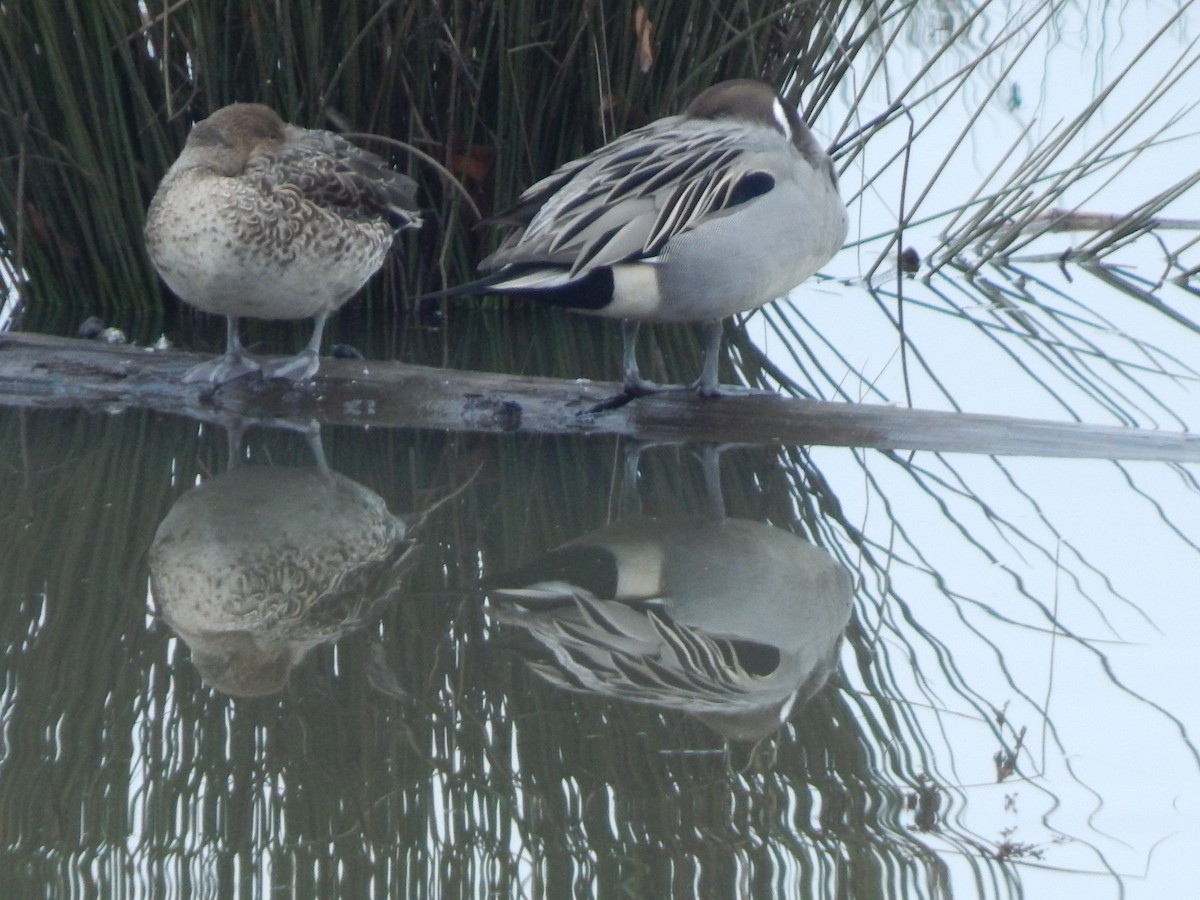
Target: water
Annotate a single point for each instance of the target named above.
(413, 751)
(1009, 710)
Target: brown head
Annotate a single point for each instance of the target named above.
(757, 103)
(227, 138)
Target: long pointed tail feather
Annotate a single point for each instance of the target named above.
(476, 288)
(551, 286)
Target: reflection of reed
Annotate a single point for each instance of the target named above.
(732, 621)
(611, 797)
(259, 565)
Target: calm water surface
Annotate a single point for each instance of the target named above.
(273, 676)
(244, 672)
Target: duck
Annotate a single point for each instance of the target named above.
(257, 566)
(259, 218)
(731, 621)
(690, 219)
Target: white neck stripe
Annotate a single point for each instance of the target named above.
(781, 118)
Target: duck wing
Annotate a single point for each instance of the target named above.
(628, 199)
(332, 173)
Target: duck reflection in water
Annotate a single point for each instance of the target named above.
(256, 566)
(735, 622)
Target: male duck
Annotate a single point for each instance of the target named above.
(692, 218)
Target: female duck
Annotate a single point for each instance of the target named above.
(264, 219)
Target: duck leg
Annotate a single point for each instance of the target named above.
(234, 364)
(634, 385)
(710, 459)
(706, 384)
(304, 364)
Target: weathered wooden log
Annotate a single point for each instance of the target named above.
(39, 371)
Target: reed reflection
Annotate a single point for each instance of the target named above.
(257, 566)
(732, 621)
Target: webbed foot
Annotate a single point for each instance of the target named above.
(301, 367)
(221, 370)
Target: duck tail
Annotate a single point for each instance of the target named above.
(477, 288)
(551, 286)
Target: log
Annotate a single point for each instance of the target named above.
(40, 371)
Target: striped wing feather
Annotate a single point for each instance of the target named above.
(625, 201)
